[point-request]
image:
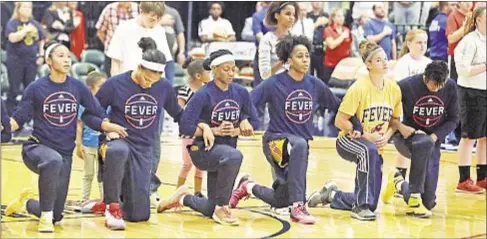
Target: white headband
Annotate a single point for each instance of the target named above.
(153, 66)
(49, 49)
(373, 53)
(221, 59)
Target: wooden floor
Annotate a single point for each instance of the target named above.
(456, 215)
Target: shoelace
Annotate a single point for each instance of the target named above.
(116, 213)
(227, 212)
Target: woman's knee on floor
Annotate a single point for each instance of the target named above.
(138, 216)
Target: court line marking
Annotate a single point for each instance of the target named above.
(475, 236)
(286, 226)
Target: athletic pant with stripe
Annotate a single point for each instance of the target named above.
(222, 164)
(368, 176)
(127, 172)
(54, 170)
(425, 166)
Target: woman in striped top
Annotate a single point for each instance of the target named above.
(197, 78)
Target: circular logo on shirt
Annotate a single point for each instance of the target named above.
(141, 111)
(299, 106)
(225, 110)
(60, 108)
(428, 111)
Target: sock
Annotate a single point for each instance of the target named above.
(398, 186)
(464, 173)
(481, 171)
(403, 171)
(416, 195)
(47, 215)
(181, 199)
(249, 187)
(332, 194)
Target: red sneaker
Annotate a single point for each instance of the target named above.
(482, 183)
(114, 217)
(96, 206)
(240, 192)
(300, 214)
(468, 186)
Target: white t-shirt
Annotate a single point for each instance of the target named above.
(209, 27)
(469, 52)
(268, 56)
(124, 45)
(406, 66)
(306, 25)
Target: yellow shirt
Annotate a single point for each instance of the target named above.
(373, 107)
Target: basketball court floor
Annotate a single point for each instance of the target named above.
(456, 215)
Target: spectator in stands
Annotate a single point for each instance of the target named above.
(126, 55)
(411, 62)
(338, 39)
(471, 67)
(216, 28)
(320, 19)
(282, 15)
(381, 31)
(259, 29)
(247, 33)
(358, 35)
(123, 48)
(406, 13)
(78, 36)
(365, 9)
(173, 24)
(59, 21)
(455, 30)
(7, 10)
(109, 19)
(25, 50)
(304, 26)
(437, 33)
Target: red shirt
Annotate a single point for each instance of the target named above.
(454, 22)
(333, 56)
(78, 36)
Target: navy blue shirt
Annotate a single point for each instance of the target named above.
(135, 108)
(291, 103)
(212, 106)
(54, 108)
(437, 38)
(6, 132)
(431, 112)
(26, 50)
(376, 26)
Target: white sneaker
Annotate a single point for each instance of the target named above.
(114, 217)
(281, 212)
(155, 199)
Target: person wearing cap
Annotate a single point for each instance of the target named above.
(216, 115)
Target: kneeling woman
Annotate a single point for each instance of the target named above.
(218, 113)
(136, 99)
(376, 101)
(292, 97)
(53, 102)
